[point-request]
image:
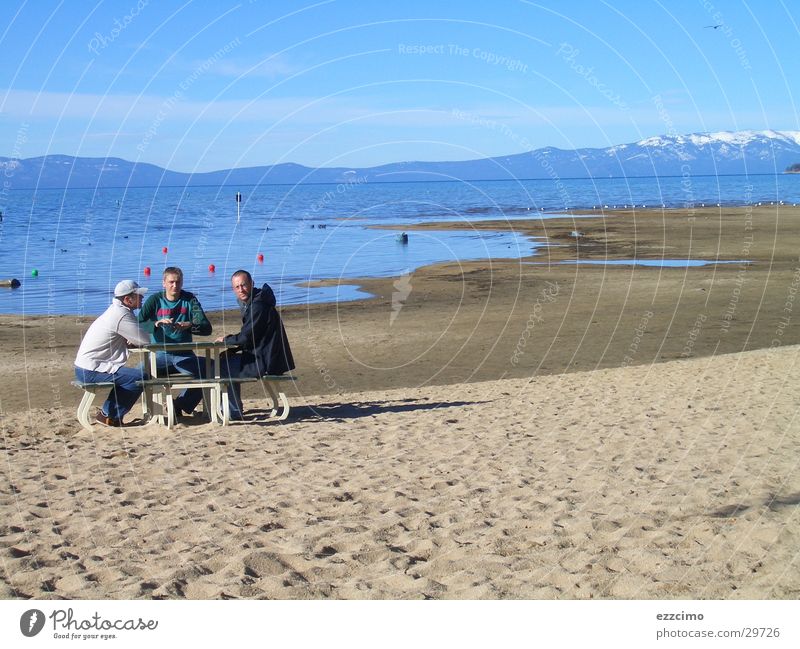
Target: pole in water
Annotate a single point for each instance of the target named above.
(238, 202)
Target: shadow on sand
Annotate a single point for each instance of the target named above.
(346, 411)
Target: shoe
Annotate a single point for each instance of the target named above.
(107, 421)
(194, 415)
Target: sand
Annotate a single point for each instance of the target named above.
(517, 430)
(677, 480)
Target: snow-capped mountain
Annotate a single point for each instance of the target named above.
(721, 153)
(734, 138)
(696, 154)
(724, 152)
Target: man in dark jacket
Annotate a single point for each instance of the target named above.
(262, 346)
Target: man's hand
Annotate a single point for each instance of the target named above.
(182, 325)
(164, 322)
(219, 339)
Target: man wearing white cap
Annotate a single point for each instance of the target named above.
(104, 351)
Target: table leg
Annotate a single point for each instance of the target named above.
(157, 396)
(216, 392)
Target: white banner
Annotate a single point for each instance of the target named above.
(405, 624)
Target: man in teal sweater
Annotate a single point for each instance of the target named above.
(172, 316)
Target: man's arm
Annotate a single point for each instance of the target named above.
(253, 328)
(130, 329)
(147, 314)
(200, 324)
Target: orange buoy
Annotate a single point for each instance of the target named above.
(164, 250)
(147, 271)
(211, 268)
(260, 258)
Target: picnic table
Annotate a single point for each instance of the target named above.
(158, 400)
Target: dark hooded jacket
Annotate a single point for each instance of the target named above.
(262, 340)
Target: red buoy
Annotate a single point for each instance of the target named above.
(147, 271)
(164, 250)
(211, 268)
(260, 258)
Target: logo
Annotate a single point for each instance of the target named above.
(31, 622)
(402, 286)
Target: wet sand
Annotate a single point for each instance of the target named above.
(477, 321)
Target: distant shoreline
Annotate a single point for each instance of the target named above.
(393, 182)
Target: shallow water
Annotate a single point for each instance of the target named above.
(83, 241)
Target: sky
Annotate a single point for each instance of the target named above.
(200, 86)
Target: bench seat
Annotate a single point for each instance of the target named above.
(217, 387)
(89, 392)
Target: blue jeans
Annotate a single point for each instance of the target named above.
(124, 393)
(231, 367)
(189, 366)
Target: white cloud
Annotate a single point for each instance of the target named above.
(272, 67)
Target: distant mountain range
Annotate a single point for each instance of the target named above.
(722, 153)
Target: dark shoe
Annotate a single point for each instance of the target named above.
(193, 416)
(107, 421)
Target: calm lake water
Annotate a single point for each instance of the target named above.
(82, 241)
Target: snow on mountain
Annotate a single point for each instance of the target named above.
(736, 138)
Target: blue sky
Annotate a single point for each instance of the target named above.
(198, 86)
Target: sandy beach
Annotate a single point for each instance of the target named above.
(529, 428)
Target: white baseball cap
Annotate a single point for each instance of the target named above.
(128, 286)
